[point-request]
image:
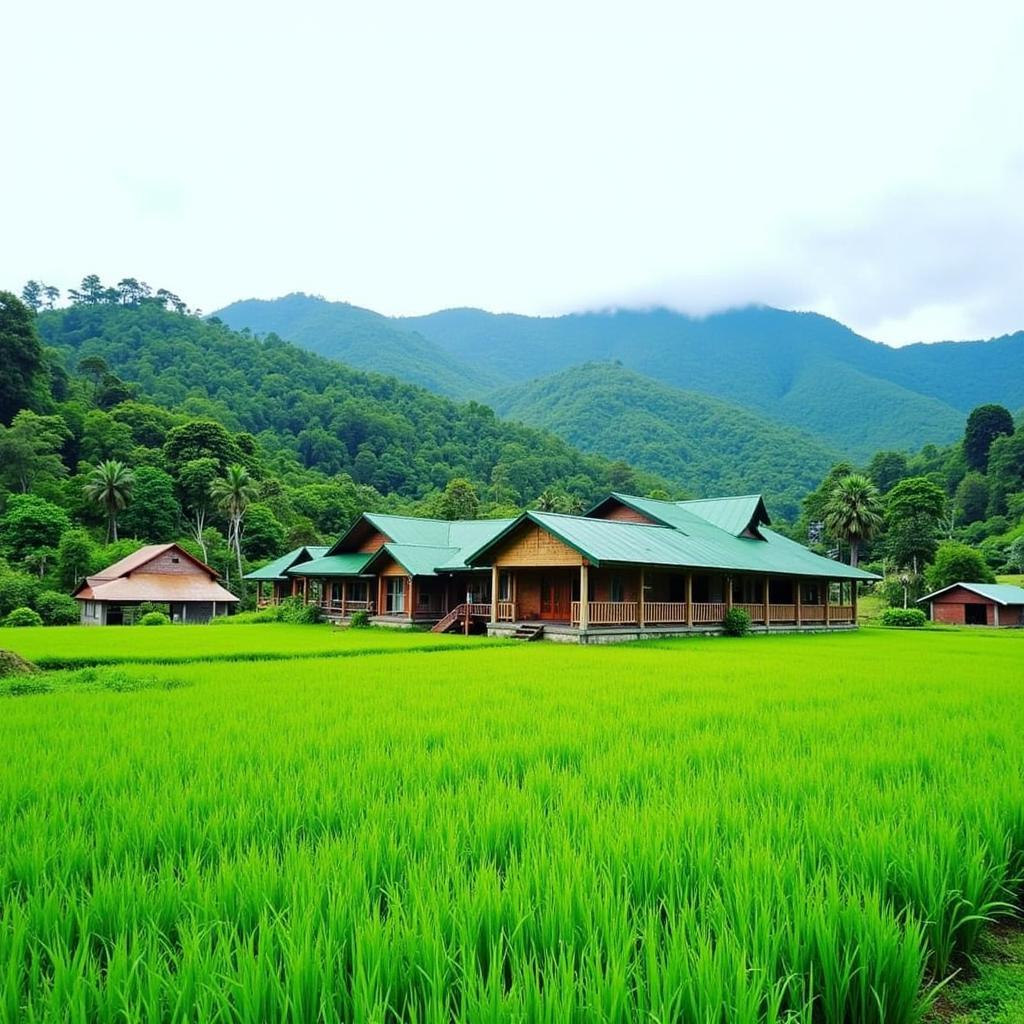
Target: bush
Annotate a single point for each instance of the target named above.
(271, 614)
(23, 617)
(912, 618)
(297, 613)
(890, 590)
(359, 620)
(959, 563)
(154, 619)
(57, 609)
(736, 622)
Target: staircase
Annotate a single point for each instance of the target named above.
(528, 631)
(454, 618)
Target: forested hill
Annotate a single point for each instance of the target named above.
(797, 369)
(705, 444)
(395, 437)
(362, 339)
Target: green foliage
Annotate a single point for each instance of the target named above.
(887, 468)
(30, 523)
(984, 425)
(913, 510)
(110, 486)
(972, 498)
(21, 356)
(1015, 556)
(912, 618)
(23, 617)
(263, 537)
(292, 610)
(154, 513)
(56, 608)
(359, 620)
(853, 512)
(736, 622)
(154, 619)
(459, 501)
(893, 592)
(270, 614)
(957, 563)
(16, 588)
(1005, 471)
(29, 450)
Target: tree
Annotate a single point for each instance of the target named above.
(972, 497)
(233, 494)
(200, 439)
(913, 513)
(76, 557)
(32, 295)
(29, 524)
(29, 450)
(853, 512)
(1015, 556)
(957, 563)
(1005, 471)
(195, 491)
(459, 500)
(154, 511)
(22, 366)
(887, 469)
(110, 486)
(264, 535)
(91, 293)
(984, 425)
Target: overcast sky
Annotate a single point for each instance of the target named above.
(864, 160)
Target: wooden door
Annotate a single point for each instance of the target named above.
(555, 598)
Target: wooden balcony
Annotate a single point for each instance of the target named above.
(704, 613)
(345, 608)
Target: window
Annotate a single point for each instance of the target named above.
(357, 590)
(616, 588)
(395, 600)
(505, 586)
(175, 559)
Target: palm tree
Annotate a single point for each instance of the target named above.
(233, 494)
(853, 512)
(110, 485)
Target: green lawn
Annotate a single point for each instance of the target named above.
(787, 828)
(81, 645)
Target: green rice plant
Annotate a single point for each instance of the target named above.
(796, 829)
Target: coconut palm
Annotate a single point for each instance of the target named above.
(853, 512)
(233, 494)
(110, 485)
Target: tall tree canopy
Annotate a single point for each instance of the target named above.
(21, 357)
(984, 425)
(853, 512)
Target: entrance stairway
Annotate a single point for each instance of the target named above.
(528, 631)
(456, 617)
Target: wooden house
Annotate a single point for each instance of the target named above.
(272, 583)
(156, 574)
(977, 604)
(630, 567)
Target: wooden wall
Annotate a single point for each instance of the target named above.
(530, 545)
(165, 565)
(623, 513)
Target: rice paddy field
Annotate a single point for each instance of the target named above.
(802, 829)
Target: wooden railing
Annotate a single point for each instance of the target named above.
(840, 613)
(506, 611)
(474, 611)
(344, 607)
(607, 613)
(812, 613)
(754, 610)
(782, 612)
(664, 612)
(705, 612)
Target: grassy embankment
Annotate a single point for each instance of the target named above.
(786, 828)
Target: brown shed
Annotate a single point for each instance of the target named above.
(160, 574)
(977, 604)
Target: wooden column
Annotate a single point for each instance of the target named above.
(494, 593)
(344, 598)
(305, 590)
(641, 605)
(689, 598)
(380, 596)
(826, 590)
(295, 585)
(995, 611)
(410, 598)
(728, 593)
(798, 600)
(584, 596)
(767, 601)
(259, 595)
(853, 599)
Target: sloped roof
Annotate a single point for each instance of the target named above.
(734, 515)
(137, 559)
(1001, 593)
(128, 569)
(163, 588)
(418, 559)
(277, 569)
(700, 545)
(350, 564)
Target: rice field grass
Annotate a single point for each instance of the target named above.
(70, 646)
(796, 829)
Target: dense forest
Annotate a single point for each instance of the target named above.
(123, 415)
(799, 370)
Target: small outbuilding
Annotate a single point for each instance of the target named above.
(158, 574)
(977, 604)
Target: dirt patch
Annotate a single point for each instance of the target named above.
(12, 664)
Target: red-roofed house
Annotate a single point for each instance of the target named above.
(160, 574)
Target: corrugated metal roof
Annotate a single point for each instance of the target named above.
(734, 515)
(276, 570)
(160, 587)
(1001, 593)
(134, 561)
(701, 546)
(350, 564)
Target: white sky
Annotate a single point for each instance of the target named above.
(862, 159)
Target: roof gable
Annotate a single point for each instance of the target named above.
(277, 569)
(136, 562)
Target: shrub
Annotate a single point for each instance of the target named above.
(958, 563)
(904, 617)
(23, 617)
(736, 622)
(297, 613)
(359, 620)
(271, 614)
(57, 609)
(154, 619)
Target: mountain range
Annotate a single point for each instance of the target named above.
(748, 399)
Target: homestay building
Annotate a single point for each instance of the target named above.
(976, 604)
(629, 567)
(163, 574)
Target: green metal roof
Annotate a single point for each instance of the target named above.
(694, 544)
(351, 564)
(1001, 593)
(277, 569)
(734, 515)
